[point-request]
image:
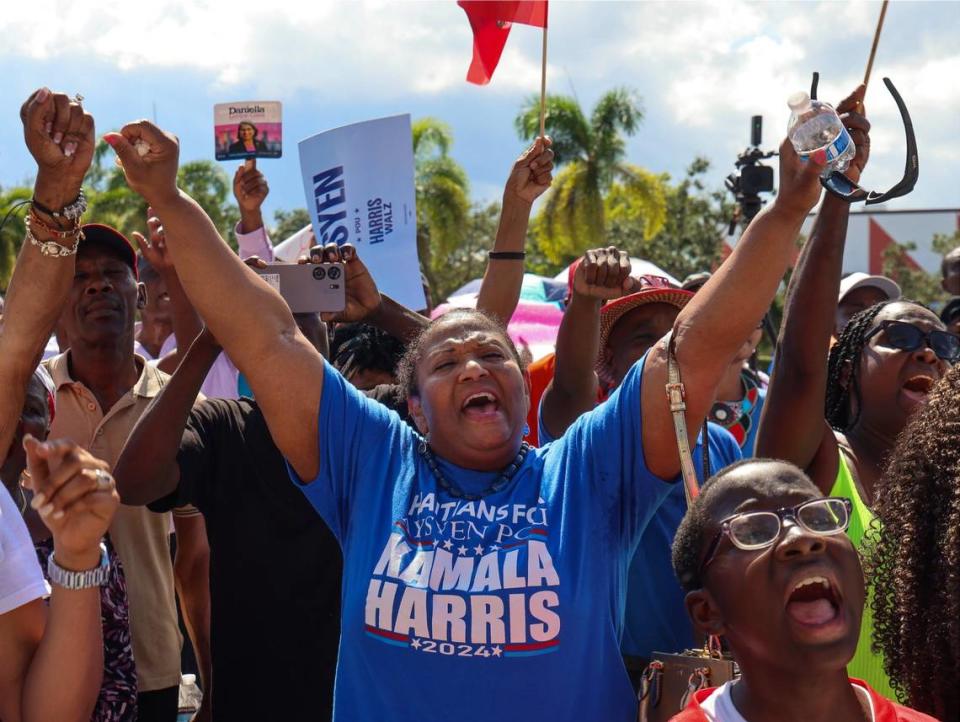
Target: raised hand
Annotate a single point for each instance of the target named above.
(853, 115)
(799, 181)
(604, 274)
(154, 250)
(60, 136)
(362, 295)
(75, 495)
(532, 174)
(149, 158)
(250, 187)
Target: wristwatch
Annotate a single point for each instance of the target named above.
(67, 579)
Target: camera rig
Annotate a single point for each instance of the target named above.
(752, 178)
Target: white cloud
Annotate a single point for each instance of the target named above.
(702, 67)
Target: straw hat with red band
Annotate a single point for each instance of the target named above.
(100, 235)
(653, 289)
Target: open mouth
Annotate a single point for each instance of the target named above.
(918, 387)
(480, 406)
(814, 602)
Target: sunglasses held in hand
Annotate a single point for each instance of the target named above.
(839, 185)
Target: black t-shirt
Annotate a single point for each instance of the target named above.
(275, 568)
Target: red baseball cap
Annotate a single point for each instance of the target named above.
(102, 235)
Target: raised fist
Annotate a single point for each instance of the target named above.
(74, 494)
(532, 174)
(149, 158)
(604, 274)
(60, 136)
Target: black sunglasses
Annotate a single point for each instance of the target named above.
(839, 185)
(907, 337)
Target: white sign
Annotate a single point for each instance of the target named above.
(358, 182)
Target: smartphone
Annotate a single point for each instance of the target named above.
(308, 287)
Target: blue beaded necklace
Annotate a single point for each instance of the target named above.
(501, 481)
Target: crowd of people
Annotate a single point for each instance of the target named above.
(377, 515)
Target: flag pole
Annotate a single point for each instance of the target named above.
(876, 41)
(543, 83)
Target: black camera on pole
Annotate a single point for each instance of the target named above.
(753, 178)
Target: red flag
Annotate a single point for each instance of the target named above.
(491, 21)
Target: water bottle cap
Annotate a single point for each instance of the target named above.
(798, 101)
(188, 679)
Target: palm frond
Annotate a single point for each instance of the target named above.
(618, 113)
(638, 196)
(432, 138)
(565, 124)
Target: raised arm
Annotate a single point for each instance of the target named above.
(60, 137)
(77, 499)
(530, 177)
(186, 322)
(256, 329)
(712, 327)
(793, 426)
(602, 274)
(147, 468)
(250, 189)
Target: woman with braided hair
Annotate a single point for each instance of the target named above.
(838, 418)
(916, 606)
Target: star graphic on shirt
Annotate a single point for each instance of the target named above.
(494, 547)
(497, 651)
(540, 500)
(478, 549)
(462, 549)
(415, 643)
(448, 545)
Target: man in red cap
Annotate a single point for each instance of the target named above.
(102, 389)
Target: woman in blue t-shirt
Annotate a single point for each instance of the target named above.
(482, 579)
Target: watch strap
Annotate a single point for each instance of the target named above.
(68, 579)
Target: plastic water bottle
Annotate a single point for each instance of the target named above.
(190, 698)
(814, 125)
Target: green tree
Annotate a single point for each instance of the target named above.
(286, 223)
(919, 285)
(443, 205)
(590, 156)
(468, 259)
(691, 237)
(13, 208)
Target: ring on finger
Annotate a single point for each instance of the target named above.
(104, 480)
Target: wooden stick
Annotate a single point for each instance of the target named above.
(543, 84)
(876, 41)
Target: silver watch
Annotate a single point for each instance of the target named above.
(67, 579)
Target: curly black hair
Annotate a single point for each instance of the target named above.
(839, 412)
(688, 543)
(360, 347)
(913, 557)
(407, 368)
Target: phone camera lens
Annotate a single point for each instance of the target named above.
(320, 273)
(334, 273)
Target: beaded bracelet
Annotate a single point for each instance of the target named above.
(36, 220)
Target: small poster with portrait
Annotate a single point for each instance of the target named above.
(248, 129)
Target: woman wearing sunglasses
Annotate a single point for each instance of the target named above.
(766, 565)
(838, 417)
(917, 623)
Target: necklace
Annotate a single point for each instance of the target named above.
(501, 481)
(735, 416)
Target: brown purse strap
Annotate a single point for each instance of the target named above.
(676, 395)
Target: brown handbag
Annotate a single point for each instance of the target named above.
(670, 680)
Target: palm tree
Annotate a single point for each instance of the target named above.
(442, 196)
(593, 177)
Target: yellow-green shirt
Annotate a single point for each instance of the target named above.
(865, 664)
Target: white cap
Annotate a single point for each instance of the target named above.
(798, 101)
(859, 280)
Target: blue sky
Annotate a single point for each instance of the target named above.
(702, 69)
